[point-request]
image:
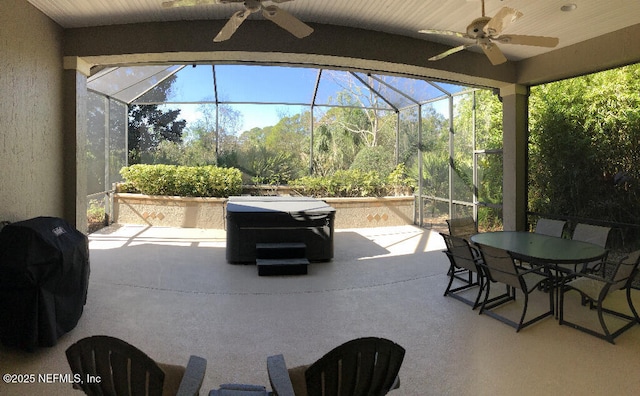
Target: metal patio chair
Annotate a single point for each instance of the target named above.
(361, 367)
(597, 235)
(595, 290)
(463, 259)
(463, 227)
(550, 227)
(123, 369)
(499, 266)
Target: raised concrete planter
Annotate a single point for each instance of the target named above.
(372, 212)
(191, 212)
(160, 210)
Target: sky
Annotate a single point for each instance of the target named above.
(246, 84)
(253, 116)
(267, 84)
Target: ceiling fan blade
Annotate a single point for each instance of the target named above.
(501, 20)
(232, 25)
(537, 41)
(443, 32)
(451, 51)
(494, 54)
(287, 21)
(186, 3)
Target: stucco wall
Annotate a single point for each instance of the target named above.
(192, 212)
(31, 135)
(164, 211)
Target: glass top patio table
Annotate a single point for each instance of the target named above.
(539, 248)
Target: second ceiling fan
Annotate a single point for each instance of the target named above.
(271, 12)
(486, 31)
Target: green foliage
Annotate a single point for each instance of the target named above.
(334, 148)
(400, 180)
(486, 125)
(476, 114)
(343, 183)
(203, 181)
(151, 124)
(190, 153)
(275, 169)
(375, 158)
(95, 211)
(584, 146)
(433, 148)
(275, 154)
(202, 144)
(355, 183)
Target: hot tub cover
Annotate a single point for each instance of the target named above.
(44, 275)
(254, 220)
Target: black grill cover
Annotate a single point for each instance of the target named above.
(44, 275)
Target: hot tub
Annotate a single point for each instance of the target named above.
(253, 220)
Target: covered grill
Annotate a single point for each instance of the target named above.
(44, 275)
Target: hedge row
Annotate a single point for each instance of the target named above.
(185, 181)
(212, 181)
(355, 183)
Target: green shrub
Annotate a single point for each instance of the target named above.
(355, 183)
(376, 158)
(186, 181)
(399, 181)
(95, 211)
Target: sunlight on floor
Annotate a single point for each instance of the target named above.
(117, 236)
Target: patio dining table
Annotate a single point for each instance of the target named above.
(541, 249)
(551, 252)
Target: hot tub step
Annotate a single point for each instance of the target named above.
(282, 266)
(281, 250)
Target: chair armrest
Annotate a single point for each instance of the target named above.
(279, 376)
(193, 377)
(589, 276)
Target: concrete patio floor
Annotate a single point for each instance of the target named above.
(171, 293)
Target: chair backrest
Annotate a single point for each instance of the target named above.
(122, 368)
(624, 270)
(499, 266)
(460, 252)
(550, 227)
(462, 227)
(361, 367)
(597, 235)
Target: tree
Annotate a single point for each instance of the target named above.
(434, 148)
(480, 111)
(276, 154)
(585, 146)
(378, 158)
(362, 111)
(151, 124)
(335, 147)
(202, 144)
(213, 141)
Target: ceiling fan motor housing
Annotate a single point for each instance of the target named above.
(252, 5)
(475, 28)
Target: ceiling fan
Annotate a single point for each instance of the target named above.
(272, 12)
(486, 31)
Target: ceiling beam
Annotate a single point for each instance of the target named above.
(261, 41)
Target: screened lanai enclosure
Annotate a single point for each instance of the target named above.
(276, 123)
